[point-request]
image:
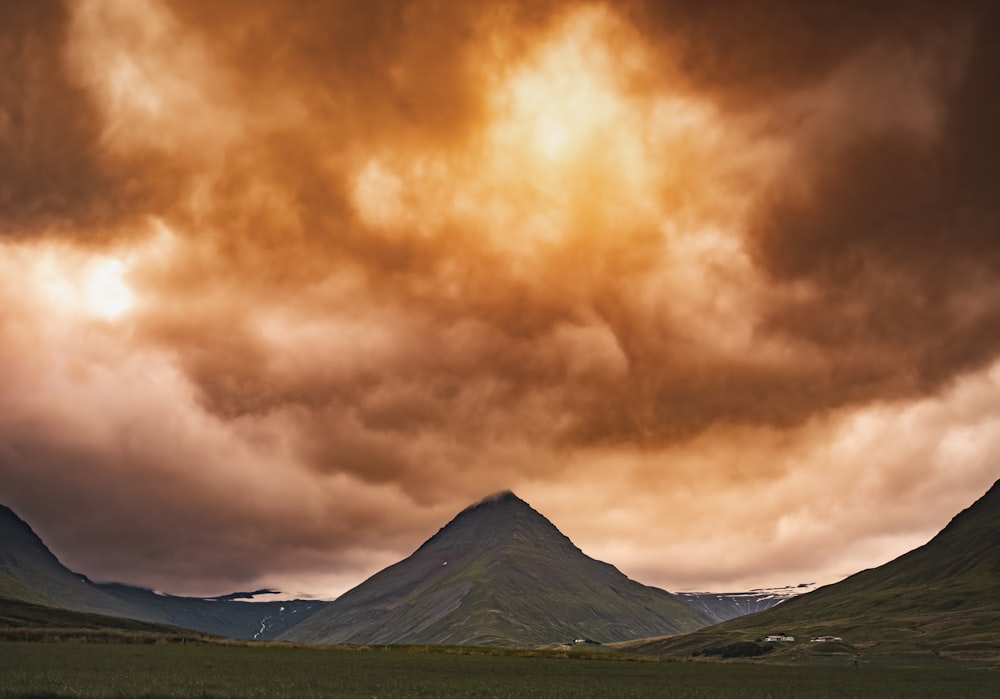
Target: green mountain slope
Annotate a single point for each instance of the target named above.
(23, 621)
(29, 572)
(942, 598)
(498, 574)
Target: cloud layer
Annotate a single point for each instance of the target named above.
(285, 285)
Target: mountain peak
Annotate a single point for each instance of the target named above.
(494, 523)
(499, 573)
(499, 496)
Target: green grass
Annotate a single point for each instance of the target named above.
(907, 629)
(121, 671)
(939, 602)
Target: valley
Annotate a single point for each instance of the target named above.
(501, 575)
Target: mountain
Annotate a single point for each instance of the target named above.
(30, 573)
(723, 606)
(498, 574)
(942, 598)
(23, 621)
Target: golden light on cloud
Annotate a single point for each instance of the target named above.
(78, 285)
(377, 193)
(154, 83)
(105, 292)
(563, 97)
(622, 258)
(571, 153)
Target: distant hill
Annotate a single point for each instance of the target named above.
(942, 598)
(30, 573)
(723, 606)
(23, 621)
(498, 574)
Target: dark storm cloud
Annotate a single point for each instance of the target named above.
(896, 243)
(53, 176)
(746, 53)
(881, 256)
(395, 255)
(398, 62)
(202, 543)
(890, 234)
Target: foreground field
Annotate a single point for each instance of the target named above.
(42, 670)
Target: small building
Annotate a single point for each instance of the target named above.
(778, 637)
(825, 639)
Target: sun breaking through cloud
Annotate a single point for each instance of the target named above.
(285, 285)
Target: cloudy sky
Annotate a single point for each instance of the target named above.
(285, 285)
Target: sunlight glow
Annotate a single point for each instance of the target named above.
(573, 152)
(89, 287)
(105, 293)
(558, 103)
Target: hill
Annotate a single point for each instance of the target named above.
(30, 573)
(23, 621)
(941, 599)
(723, 606)
(498, 574)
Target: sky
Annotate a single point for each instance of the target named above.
(284, 286)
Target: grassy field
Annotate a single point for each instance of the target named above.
(43, 670)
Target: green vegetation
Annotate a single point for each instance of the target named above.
(121, 671)
(20, 621)
(11, 588)
(740, 649)
(938, 602)
(29, 572)
(903, 627)
(498, 574)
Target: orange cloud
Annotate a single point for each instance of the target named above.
(297, 281)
